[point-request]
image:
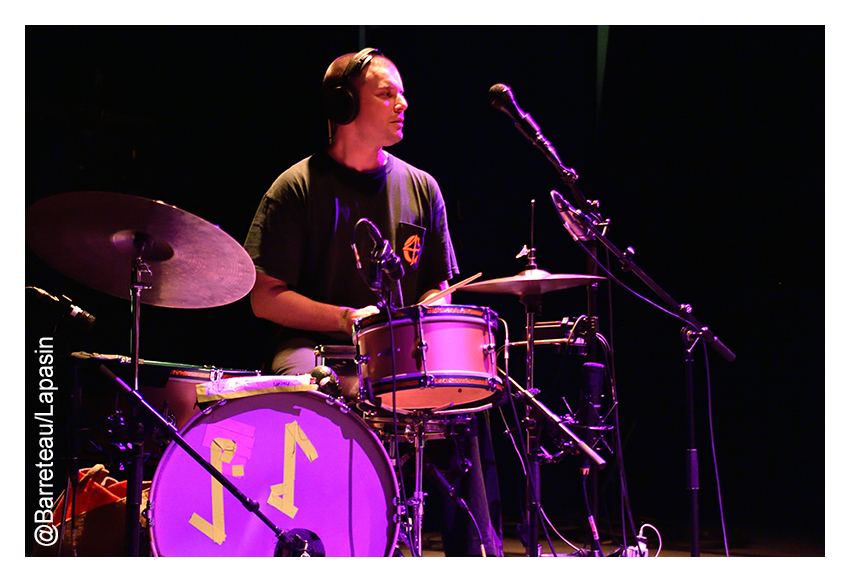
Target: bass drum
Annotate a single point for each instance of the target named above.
(314, 468)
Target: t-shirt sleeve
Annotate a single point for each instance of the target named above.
(439, 252)
(276, 237)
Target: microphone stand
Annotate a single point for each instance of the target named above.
(502, 99)
(692, 332)
(286, 541)
(588, 471)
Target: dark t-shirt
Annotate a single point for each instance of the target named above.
(302, 231)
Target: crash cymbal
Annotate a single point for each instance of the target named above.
(532, 282)
(94, 238)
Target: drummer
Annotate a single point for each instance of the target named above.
(300, 240)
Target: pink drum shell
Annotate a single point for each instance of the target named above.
(459, 359)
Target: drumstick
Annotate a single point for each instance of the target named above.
(444, 292)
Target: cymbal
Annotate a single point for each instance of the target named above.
(94, 238)
(532, 282)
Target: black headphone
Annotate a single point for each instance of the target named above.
(340, 99)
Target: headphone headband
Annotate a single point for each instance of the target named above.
(357, 63)
(341, 101)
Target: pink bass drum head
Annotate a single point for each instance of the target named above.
(313, 467)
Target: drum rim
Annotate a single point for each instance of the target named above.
(431, 312)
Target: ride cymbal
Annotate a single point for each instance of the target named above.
(95, 238)
(532, 282)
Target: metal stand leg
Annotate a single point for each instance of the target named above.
(411, 511)
(418, 501)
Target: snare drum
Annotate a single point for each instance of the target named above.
(310, 464)
(443, 358)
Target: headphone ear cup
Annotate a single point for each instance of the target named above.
(341, 105)
(341, 102)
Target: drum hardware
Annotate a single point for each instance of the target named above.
(123, 235)
(288, 543)
(585, 220)
(530, 285)
(426, 380)
(412, 515)
(417, 428)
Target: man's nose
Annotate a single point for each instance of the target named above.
(400, 103)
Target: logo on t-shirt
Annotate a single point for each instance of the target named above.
(413, 238)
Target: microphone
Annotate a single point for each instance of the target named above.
(299, 543)
(382, 254)
(502, 99)
(67, 308)
(326, 380)
(590, 394)
(568, 216)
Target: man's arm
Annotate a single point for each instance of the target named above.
(273, 300)
(445, 300)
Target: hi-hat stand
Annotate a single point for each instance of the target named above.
(530, 285)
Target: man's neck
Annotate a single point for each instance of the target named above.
(357, 158)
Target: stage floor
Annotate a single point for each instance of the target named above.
(754, 544)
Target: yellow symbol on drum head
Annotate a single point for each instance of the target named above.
(282, 495)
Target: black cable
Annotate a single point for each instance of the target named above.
(625, 504)
(629, 289)
(396, 452)
(714, 450)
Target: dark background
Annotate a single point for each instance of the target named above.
(704, 146)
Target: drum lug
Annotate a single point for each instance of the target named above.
(427, 381)
(400, 515)
(213, 406)
(146, 513)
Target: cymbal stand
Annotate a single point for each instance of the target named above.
(136, 430)
(532, 304)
